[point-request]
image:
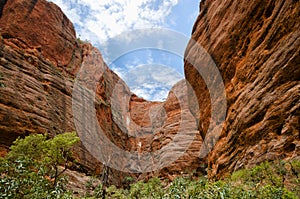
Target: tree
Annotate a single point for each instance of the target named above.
(31, 168)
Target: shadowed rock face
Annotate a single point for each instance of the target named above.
(255, 45)
(39, 60)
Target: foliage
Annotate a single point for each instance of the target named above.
(178, 188)
(151, 189)
(268, 180)
(31, 168)
(80, 41)
(127, 181)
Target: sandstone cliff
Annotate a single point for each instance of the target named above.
(36, 60)
(256, 47)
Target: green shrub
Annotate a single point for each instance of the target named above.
(266, 180)
(178, 188)
(31, 168)
(113, 192)
(31, 171)
(151, 189)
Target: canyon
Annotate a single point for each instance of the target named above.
(255, 46)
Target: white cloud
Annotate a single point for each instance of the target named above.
(99, 20)
(152, 82)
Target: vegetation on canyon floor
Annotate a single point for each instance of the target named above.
(33, 169)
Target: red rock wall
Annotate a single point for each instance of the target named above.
(36, 95)
(255, 45)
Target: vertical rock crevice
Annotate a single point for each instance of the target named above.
(2, 4)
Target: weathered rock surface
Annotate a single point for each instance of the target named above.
(178, 134)
(171, 133)
(36, 93)
(256, 47)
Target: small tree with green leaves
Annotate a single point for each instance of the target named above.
(31, 168)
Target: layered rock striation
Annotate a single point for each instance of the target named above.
(256, 47)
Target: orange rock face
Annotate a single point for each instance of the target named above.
(170, 133)
(178, 135)
(40, 57)
(255, 45)
(53, 37)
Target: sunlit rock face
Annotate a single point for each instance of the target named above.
(255, 45)
(39, 55)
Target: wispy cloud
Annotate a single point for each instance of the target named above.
(149, 73)
(152, 82)
(98, 20)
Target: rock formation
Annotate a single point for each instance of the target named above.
(255, 45)
(37, 57)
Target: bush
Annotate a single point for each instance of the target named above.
(31, 168)
(267, 180)
(151, 189)
(178, 188)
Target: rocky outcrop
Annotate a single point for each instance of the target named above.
(173, 138)
(53, 36)
(255, 45)
(36, 56)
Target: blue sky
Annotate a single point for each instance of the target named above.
(100, 21)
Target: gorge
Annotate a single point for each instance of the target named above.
(255, 46)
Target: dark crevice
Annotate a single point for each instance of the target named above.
(269, 10)
(256, 119)
(7, 36)
(2, 4)
(289, 147)
(279, 129)
(65, 22)
(32, 5)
